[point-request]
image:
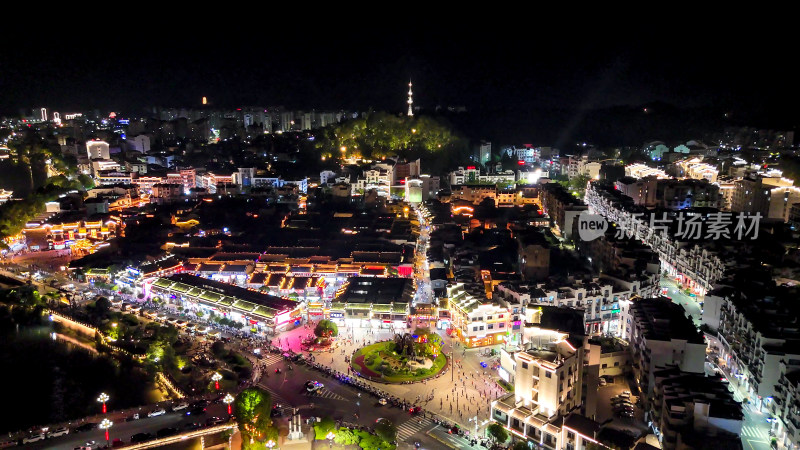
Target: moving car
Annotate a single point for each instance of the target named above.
(313, 386)
(193, 426)
(58, 432)
(164, 432)
(117, 442)
(180, 406)
(85, 427)
(141, 437)
(35, 437)
(135, 416)
(158, 412)
(215, 421)
(196, 411)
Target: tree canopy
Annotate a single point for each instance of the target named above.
(386, 430)
(326, 328)
(380, 134)
(252, 408)
(497, 432)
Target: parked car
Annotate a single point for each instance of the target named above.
(626, 395)
(214, 334)
(602, 382)
(158, 412)
(202, 329)
(181, 323)
(141, 437)
(383, 401)
(58, 432)
(35, 437)
(162, 317)
(180, 406)
(135, 416)
(117, 443)
(150, 314)
(135, 308)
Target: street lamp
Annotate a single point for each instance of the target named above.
(103, 398)
(228, 399)
(105, 425)
(216, 377)
(270, 443)
(330, 437)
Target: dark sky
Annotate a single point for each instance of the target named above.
(490, 67)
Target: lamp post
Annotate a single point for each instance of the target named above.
(105, 425)
(228, 399)
(330, 437)
(216, 377)
(103, 398)
(270, 443)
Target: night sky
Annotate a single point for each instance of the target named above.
(485, 68)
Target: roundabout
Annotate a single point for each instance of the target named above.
(406, 359)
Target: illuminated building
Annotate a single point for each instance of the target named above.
(262, 311)
(476, 321)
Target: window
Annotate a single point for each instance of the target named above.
(474, 328)
(490, 326)
(481, 327)
(502, 325)
(616, 364)
(548, 374)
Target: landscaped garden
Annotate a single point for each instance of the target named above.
(409, 357)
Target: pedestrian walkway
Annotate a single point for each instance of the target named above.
(412, 427)
(270, 359)
(755, 432)
(324, 393)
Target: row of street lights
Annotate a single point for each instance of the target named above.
(105, 424)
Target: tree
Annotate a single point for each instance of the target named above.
(251, 408)
(386, 430)
(323, 427)
(326, 328)
(345, 436)
(520, 445)
(497, 433)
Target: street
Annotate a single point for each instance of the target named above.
(124, 430)
(342, 402)
(689, 303)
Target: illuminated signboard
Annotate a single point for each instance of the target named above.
(337, 315)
